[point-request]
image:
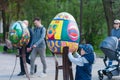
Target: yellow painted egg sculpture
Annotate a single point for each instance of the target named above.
(63, 31)
(19, 34)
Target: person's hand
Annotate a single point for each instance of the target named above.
(29, 49)
(70, 52)
(34, 46)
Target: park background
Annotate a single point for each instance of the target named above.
(94, 17)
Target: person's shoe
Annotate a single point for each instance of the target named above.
(31, 75)
(35, 69)
(43, 75)
(21, 74)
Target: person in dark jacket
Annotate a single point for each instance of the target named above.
(27, 53)
(83, 62)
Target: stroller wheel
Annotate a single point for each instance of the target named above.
(109, 75)
(100, 75)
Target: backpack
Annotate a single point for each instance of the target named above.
(45, 35)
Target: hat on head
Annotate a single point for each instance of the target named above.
(87, 48)
(116, 21)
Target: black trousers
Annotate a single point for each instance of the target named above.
(5, 48)
(118, 46)
(21, 60)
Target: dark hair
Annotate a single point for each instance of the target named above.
(36, 18)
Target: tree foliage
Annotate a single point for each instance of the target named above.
(47, 10)
(94, 27)
(116, 9)
(93, 23)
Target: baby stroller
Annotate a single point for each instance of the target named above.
(109, 48)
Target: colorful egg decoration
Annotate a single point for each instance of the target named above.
(63, 31)
(19, 34)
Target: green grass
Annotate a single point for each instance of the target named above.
(8, 51)
(1, 48)
(1, 35)
(48, 52)
(99, 53)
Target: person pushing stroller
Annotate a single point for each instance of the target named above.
(109, 47)
(115, 32)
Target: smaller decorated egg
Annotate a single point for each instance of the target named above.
(19, 34)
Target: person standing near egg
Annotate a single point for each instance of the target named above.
(27, 54)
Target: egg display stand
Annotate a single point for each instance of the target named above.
(24, 61)
(66, 65)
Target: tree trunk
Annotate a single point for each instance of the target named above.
(107, 4)
(4, 24)
(18, 10)
(80, 28)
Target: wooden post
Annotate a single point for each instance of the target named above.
(24, 61)
(70, 70)
(67, 66)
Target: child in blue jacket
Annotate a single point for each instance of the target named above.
(84, 62)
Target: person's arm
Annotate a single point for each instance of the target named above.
(76, 55)
(78, 61)
(31, 35)
(42, 37)
(31, 44)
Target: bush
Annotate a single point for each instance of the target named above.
(1, 36)
(1, 48)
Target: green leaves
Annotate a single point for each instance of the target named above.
(94, 23)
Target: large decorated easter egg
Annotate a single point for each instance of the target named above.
(63, 31)
(19, 34)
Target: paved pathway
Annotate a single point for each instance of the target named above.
(8, 61)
